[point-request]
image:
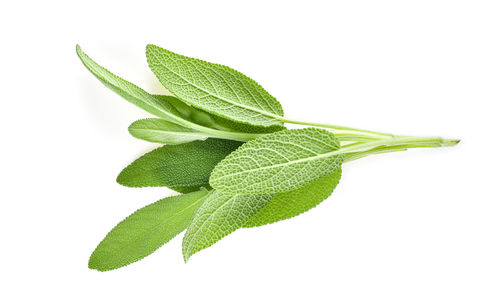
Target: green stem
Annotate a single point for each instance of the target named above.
(362, 149)
(335, 127)
(381, 150)
(429, 141)
(342, 135)
(366, 142)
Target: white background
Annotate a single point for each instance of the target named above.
(419, 224)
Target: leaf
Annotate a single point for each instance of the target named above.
(185, 167)
(155, 105)
(162, 131)
(221, 214)
(218, 216)
(215, 88)
(292, 203)
(278, 162)
(146, 230)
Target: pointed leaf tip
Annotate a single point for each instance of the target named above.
(146, 230)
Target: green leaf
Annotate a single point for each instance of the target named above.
(278, 162)
(292, 203)
(215, 88)
(222, 214)
(155, 105)
(185, 167)
(162, 131)
(218, 216)
(146, 230)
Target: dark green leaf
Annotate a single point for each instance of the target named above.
(185, 167)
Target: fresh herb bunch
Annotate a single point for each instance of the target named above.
(227, 150)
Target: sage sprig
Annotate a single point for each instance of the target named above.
(225, 147)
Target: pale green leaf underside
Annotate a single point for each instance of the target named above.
(218, 216)
(162, 131)
(292, 203)
(184, 167)
(156, 105)
(144, 231)
(278, 162)
(214, 88)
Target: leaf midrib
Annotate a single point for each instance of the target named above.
(319, 156)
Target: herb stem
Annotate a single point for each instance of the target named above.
(355, 151)
(342, 135)
(365, 142)
(335, 127)
(381, 150)
(431, 141)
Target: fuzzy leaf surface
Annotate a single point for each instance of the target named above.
(219, 215)
(146, 230)
(214, 88)
(278, 162)
(292, 203)
(156, 105)
(184, 167)
(162, 131)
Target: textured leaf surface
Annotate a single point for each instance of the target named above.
(162, 131)
(214, 88)
(144, 231)
(185, 167)
(292, 203)
(278, 162)
(156, 105)
(218, 216)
